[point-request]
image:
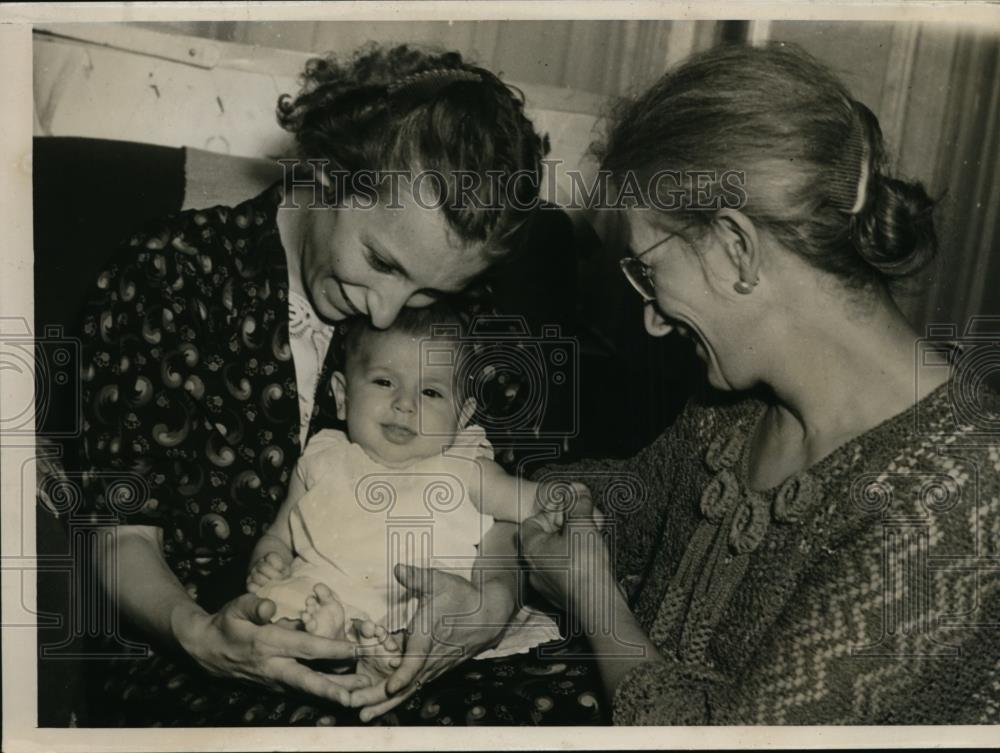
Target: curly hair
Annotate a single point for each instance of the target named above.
(783, 119)
(412, 109)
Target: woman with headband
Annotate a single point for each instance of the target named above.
(813, 544)
(208, 361)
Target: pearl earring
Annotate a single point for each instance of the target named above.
(744, 288)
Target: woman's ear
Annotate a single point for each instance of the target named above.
(739, 238)
(339, 383)
(468, 410)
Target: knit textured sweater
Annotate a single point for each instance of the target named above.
(863, 590)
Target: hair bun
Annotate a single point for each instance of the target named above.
(895, 232)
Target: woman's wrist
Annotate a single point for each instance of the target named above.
(594, 601)
(188, 623)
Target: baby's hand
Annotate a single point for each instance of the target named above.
(551, 521)
(271, 566)
(555, 500)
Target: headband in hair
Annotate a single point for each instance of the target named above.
(849, 178)
(426, 84)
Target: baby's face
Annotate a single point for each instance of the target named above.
(396, 408)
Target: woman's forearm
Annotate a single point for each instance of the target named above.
(614, 634)
(619, 643)
(137, 577)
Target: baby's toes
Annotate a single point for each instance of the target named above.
(323, 593)
(308, 621)
(390, 654)
(380, 651)
(366, 631)
(390, 644)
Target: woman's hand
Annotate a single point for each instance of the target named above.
(568, 563)
(239, 641)
(572, 569)
(455, 620)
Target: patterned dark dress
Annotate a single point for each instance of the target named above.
(191, 424)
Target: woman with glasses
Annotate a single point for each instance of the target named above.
(813, 548)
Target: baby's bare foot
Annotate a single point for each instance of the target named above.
(324, 614)
(380, 652)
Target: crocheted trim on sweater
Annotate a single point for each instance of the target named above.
(808, 640)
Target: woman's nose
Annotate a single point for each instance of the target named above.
(656, 324)
(384, 307)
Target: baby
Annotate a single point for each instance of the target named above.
(412, 482)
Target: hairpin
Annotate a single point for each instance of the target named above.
(430, 82)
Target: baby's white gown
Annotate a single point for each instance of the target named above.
(359, 518)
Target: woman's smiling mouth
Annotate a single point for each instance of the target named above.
(398, 434)
(347, 299)
(336, 298)
(692, 335)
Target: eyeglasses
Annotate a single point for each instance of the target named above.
(640, 274)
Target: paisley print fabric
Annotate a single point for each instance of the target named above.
(552, 686)
(192, 424)
(189, 388)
